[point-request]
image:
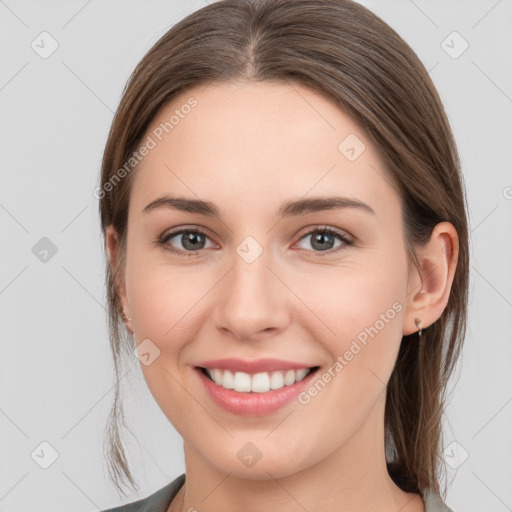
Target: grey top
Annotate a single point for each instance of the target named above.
(161, 499)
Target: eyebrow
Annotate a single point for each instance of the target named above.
(288, 209)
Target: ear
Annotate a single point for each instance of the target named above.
(429, 289)
(112, 245)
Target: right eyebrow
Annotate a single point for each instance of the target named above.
(184, 205)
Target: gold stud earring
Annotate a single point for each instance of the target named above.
(417, 321)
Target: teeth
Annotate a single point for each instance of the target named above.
(260, 383)
(257, 383)
(242, 382)
(289, 377)
(276, 380)
(300, 374)
(227, 380)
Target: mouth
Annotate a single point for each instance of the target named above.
(262, 382)
(254, 394)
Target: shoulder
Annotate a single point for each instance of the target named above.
(159, 501)
(434, 503)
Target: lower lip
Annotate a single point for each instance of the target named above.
(253, 404)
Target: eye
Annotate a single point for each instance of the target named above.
(192, 241)
(323, 239)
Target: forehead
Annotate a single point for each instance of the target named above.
(265, 142)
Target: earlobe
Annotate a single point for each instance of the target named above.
(112, 246)
(438, 261)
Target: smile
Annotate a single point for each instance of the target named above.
(256, 383)
(256, 387)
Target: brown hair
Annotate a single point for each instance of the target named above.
(341, 50)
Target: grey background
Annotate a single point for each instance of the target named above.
(55, 363)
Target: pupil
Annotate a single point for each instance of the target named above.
(193, 239)
(320, 239)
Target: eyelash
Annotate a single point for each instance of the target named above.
(325, 230)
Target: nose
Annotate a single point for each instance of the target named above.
(254, 302)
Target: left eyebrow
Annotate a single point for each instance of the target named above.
(288, 209)
(302, 206)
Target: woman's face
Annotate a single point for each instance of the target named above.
(263, 281)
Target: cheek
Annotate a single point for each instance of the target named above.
(355, 311)
(165, 304)
(161, 297)
(161, 305)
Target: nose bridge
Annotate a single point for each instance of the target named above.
(250, 269)
(253, 299)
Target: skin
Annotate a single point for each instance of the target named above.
(248, 148)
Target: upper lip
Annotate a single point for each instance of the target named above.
(253, 366)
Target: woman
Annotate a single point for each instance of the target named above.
(285, 223)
